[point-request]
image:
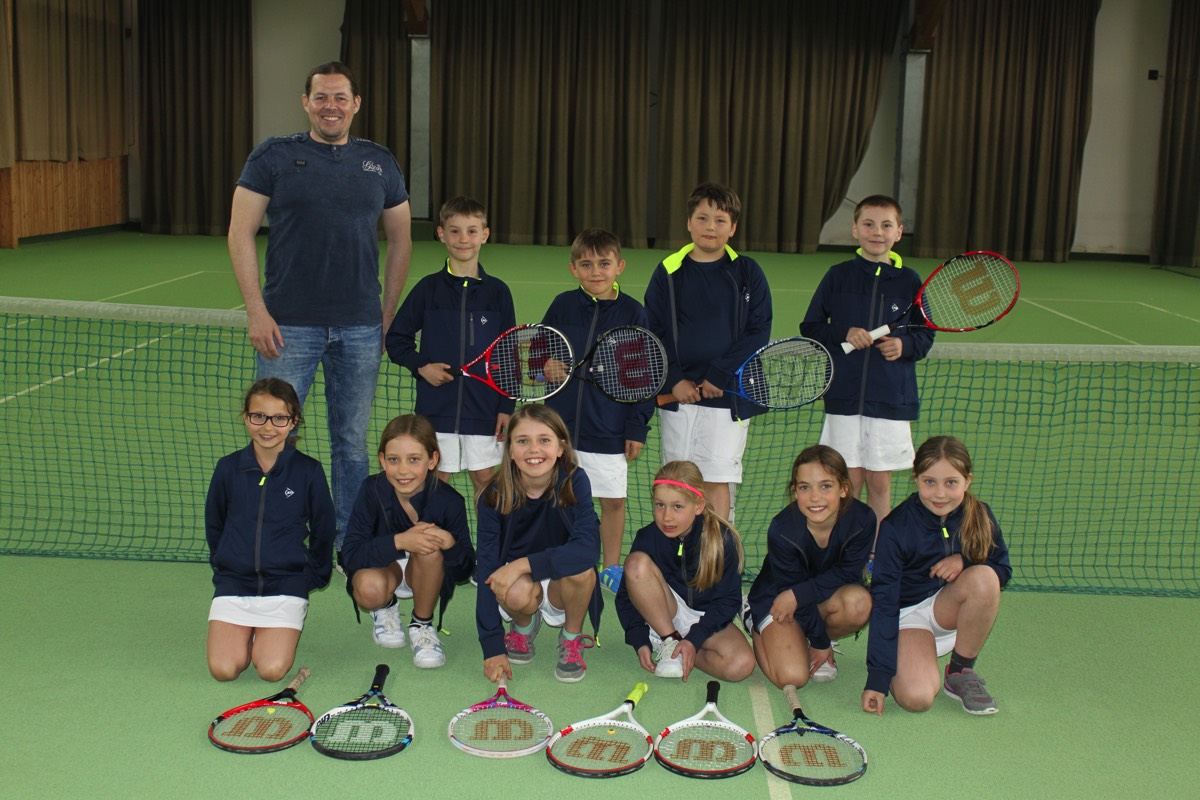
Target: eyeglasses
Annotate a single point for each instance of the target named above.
(278, 420)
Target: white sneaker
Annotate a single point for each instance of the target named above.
(427, 648)
(825, 673)
(389, 630)
(665, 664)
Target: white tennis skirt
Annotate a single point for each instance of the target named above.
(275, 611)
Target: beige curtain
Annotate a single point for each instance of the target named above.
(69, 79)
(774, 98)
(1176, 239)
(1007, 105)
(539, 110)
(376, 48)
(196, 112)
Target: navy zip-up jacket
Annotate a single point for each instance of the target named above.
(795, 561)
(558, 541)
(457, 318)
(911, 540)
(597, 423)
(269, 533)
(378, 516)
(864, 294)
(717, 605)
(711, 317)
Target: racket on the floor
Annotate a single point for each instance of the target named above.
(367, 727)
(968, 292)
(500, 727)
(264, 726)
(515, 364)
(707, 744)
(786, 373)
(605, 746)
(804, 752)
(627, 363)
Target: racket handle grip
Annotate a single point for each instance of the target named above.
(876, 335)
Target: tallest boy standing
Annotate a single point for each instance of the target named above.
(324, 192)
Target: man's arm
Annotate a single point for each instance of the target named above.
(397, 227)
(249, 209)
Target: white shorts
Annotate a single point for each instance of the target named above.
(471, 451)
(685, 617)
(708, 437)
(880, 445)
(551, 615)
(275, 611)
(403, 591)
(607, 472)
(921, 617)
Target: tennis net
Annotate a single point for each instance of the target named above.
(113, 416)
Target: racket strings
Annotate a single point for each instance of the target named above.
(367, 729)
(500, 729)
(811, 756)
(610, 746)
(970, 292)
(628, 365)
(706, 747)
(518, 362)
(262, 727)
(791, 372)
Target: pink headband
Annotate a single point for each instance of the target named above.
(681, 485)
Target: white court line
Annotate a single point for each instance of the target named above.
(1080, 322)
(91, 365)
(1169, 313)
(153, 286)
(777, 788)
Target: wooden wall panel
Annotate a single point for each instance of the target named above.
(58, 197)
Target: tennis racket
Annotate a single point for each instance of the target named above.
(785, 373)
(605, 746)
(264, 726)
(968, 292)
(365, 728)
(514, 365)
(500, 727)
(804, 752)
(627, 363)
(706, 744)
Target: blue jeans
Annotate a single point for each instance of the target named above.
(350, 357)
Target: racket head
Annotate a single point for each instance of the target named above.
(264, 726)
(786, 373)
(707, 744)
(627, 363)
(804, 752)
(514, 365)
(969, 292)
(500, 727)
(367, 728)
(605, 746)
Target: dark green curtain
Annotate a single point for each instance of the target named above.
(774, 98)
(196, 109)
(1008, 100)
(539, 110)
(375, 46)
(1176, 239)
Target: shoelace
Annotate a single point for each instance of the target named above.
(972, 685)
(423, 636)
(574, 648)
(388, 621)
(517, 642)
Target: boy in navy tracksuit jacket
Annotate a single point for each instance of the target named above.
(711, 307)
(873, 397)
(606, 434)
(458, 311)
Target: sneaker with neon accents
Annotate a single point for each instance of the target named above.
(520, 645)
(610, 577)
(571, 667)
(967, 688)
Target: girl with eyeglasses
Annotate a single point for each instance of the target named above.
(270, 526)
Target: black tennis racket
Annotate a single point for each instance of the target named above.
(500, 727)
(627, 363)
(804, 752)
(606, 746)
(367, 727)
(968, 292)
(515, 364)
(707, 744)
(785, 373)
(264, 726)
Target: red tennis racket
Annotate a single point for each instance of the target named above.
(515, 364)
